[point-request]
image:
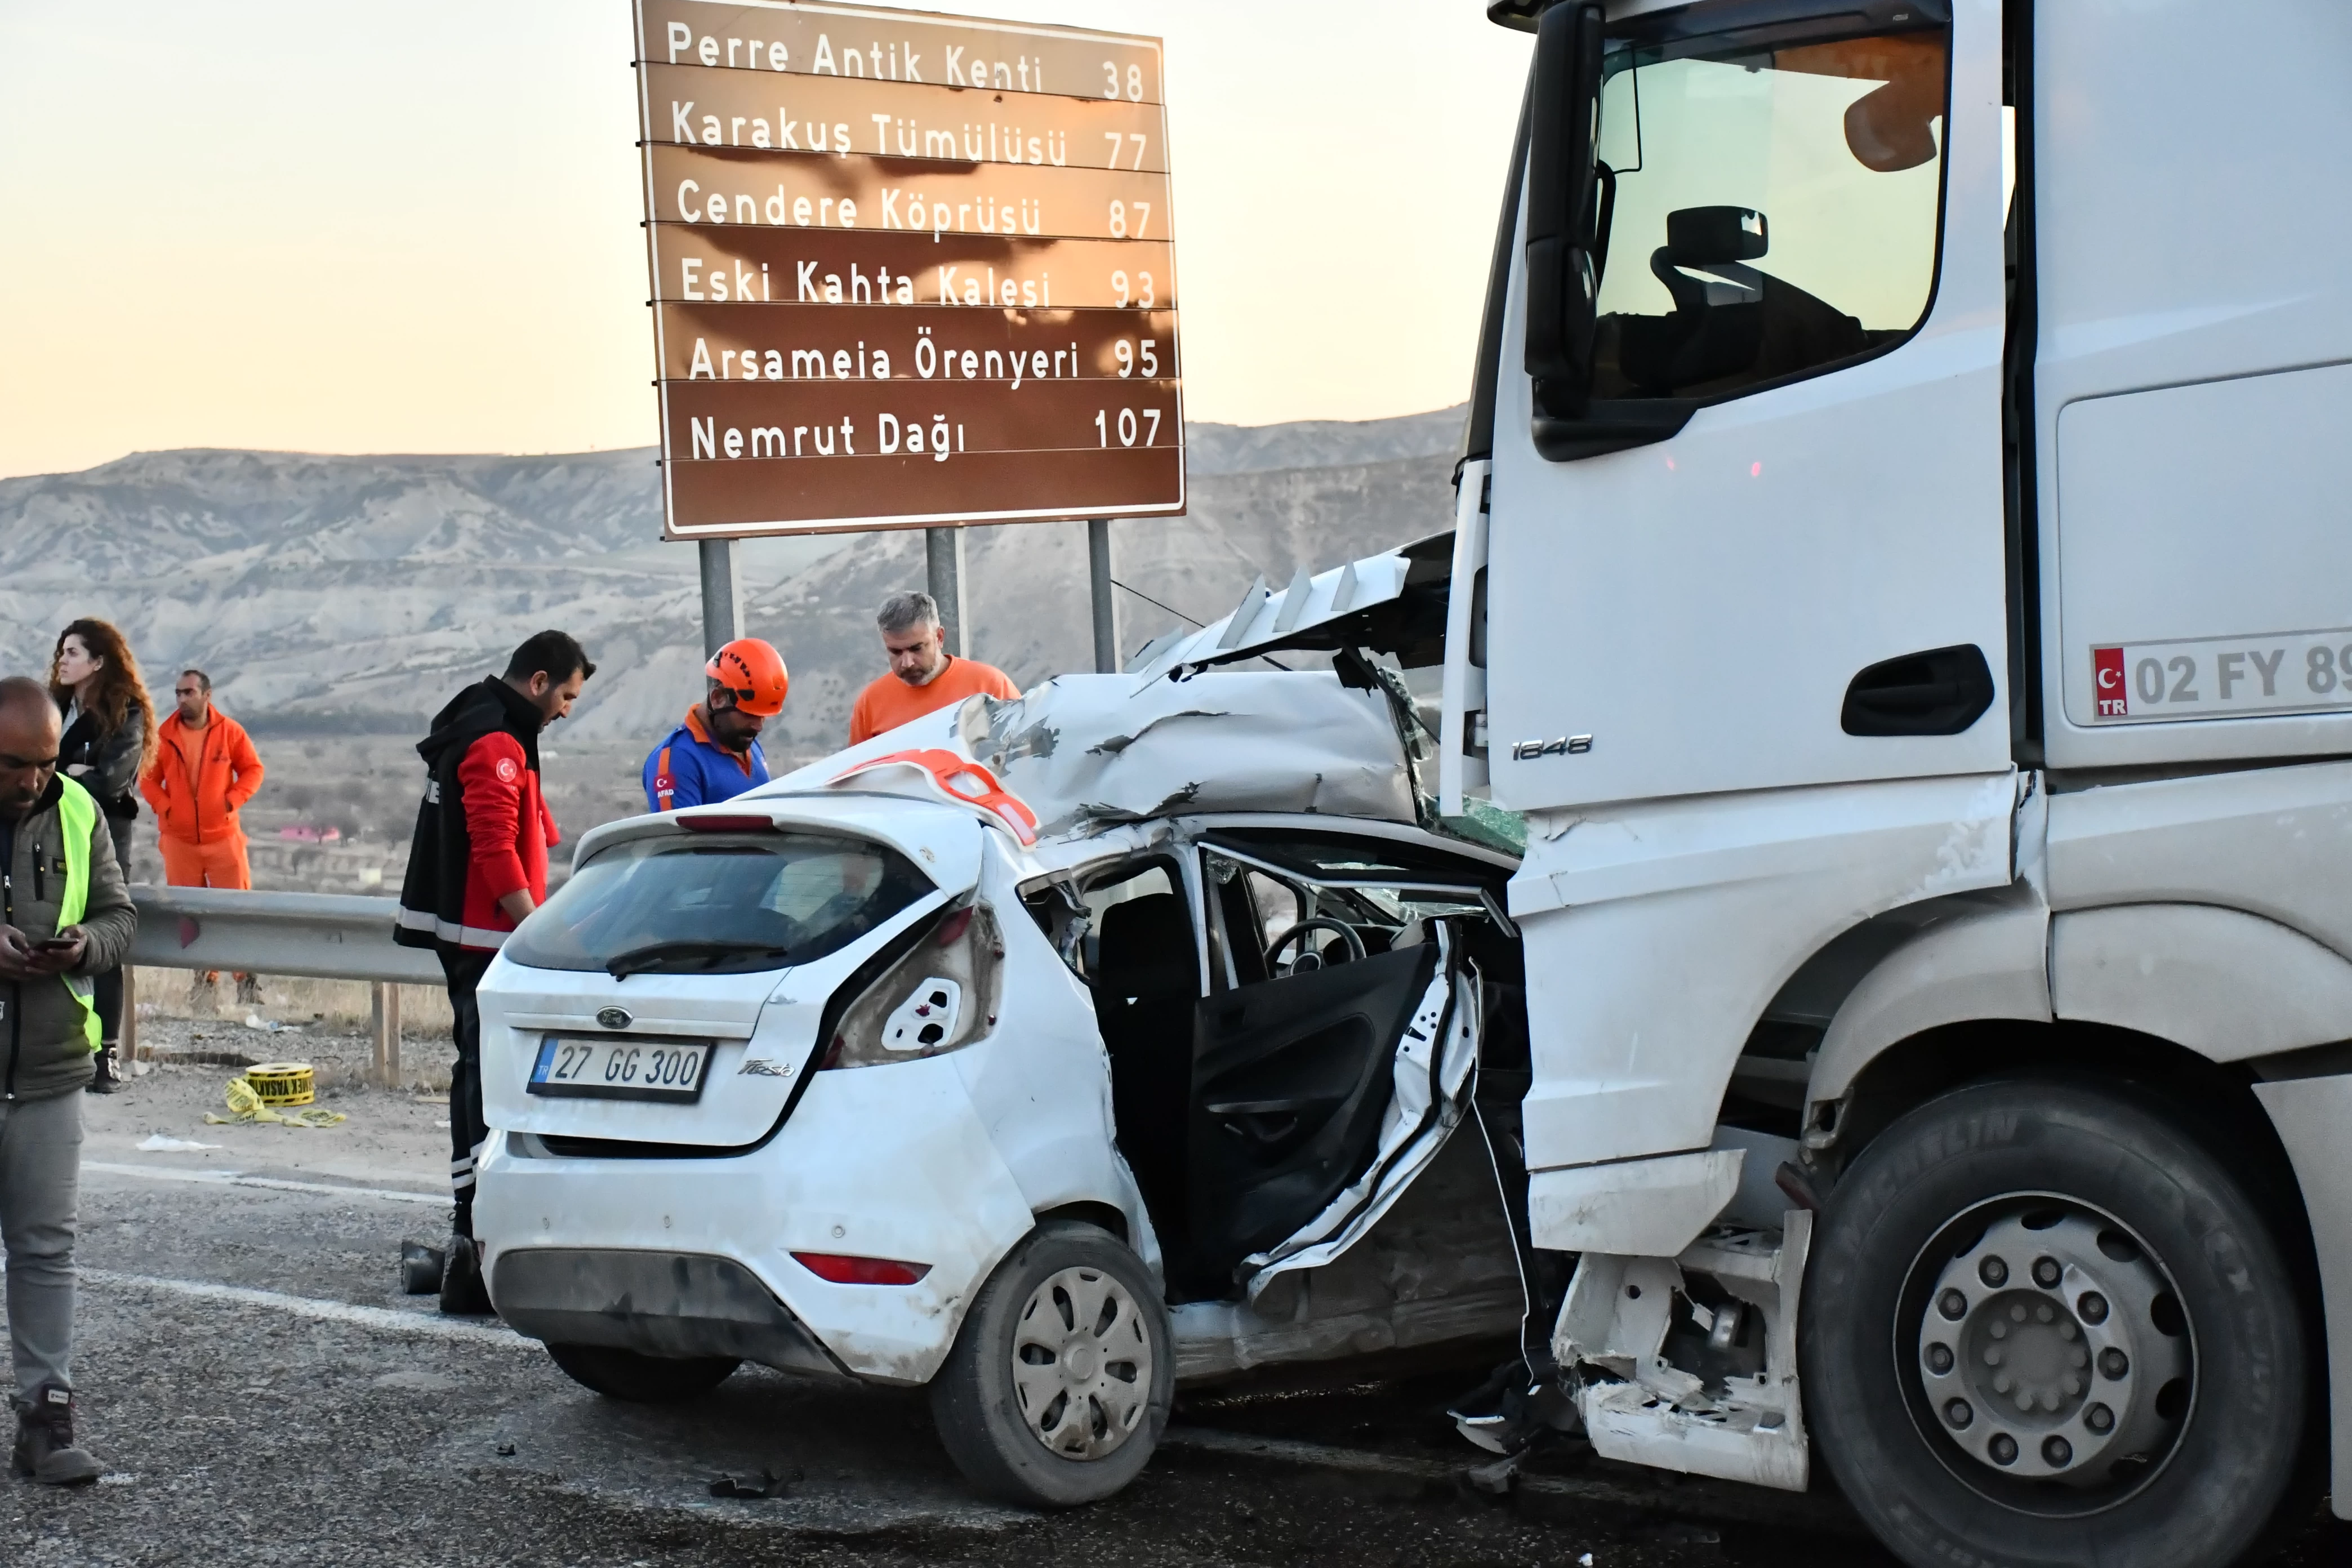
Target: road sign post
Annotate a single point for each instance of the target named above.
(908, 270)
(722, 606)
(1100, 588)
(943, 562)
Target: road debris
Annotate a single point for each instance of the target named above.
(246, 1106)
(157, 1143)
(421, 1266)
(768, 1485)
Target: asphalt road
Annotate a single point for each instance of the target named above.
(262, 1393)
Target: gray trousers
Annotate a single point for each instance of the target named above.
(40, 1174)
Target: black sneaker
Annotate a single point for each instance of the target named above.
(45, 1448)
(463, 1294)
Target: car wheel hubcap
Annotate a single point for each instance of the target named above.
(2051, 1349)
(1082, 1364)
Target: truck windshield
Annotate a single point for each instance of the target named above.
(1775, 207)
(713, 903)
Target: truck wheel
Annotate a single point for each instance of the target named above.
(2044, 1326)
(1060, 1382)
(642, 1379)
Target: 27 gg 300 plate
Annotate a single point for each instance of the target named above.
(621, 1069)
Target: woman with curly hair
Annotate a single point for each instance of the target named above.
(109, 731)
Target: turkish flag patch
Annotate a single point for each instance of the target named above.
(507, 770)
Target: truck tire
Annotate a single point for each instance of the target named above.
(1061, 1377)
(642, 1379)
(2045, 1326)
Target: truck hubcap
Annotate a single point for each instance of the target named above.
(2051, 1347)
(1082, 1364)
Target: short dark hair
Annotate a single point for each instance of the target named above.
(556, 655)
(202, 681)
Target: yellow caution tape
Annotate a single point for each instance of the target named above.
(244, 1105)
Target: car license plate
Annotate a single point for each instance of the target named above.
(620, 1070)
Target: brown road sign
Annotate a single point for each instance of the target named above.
(820, 343)
(908, 269)
(744, 498)
(692, 107)
(819, 441)
(699, 263)
(906, 195)
(867, 43)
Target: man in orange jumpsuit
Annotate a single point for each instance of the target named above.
(202, 771)
(924, 677)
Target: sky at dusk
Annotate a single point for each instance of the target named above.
(413, 227)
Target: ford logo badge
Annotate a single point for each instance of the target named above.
(613, 1017)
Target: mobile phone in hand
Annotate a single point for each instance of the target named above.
(55, 944)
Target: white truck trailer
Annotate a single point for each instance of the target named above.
(1902, 576)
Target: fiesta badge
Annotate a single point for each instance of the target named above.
(613, 1017)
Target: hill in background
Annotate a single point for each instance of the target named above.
(337, 602)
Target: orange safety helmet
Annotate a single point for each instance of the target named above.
(755, 671)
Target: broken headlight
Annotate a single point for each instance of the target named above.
(941, 996)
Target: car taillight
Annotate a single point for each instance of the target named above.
(941, 996)
(844, 1270)
(735, 823)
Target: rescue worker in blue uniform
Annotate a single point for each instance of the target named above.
(715, 754)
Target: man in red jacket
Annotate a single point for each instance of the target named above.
(477, 867)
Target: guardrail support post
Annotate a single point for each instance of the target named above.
(384, 1072)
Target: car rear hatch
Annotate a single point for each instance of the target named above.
(676, 990)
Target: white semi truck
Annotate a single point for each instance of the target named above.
(1903, 574)
(1902, 585)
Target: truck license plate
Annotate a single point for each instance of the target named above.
(620, 1070)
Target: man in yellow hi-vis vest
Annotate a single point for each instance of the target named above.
(64, 917)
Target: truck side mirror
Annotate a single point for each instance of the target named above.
(1700, 236)
(1563, 282)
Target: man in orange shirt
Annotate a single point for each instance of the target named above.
(924, 677)
(202, 771)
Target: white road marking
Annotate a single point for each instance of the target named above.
(379, 1318)
(238, 1179)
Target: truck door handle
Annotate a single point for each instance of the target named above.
(1940, 691)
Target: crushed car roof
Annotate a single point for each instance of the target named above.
(1088, 752)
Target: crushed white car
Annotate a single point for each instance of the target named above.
(1044, 1052)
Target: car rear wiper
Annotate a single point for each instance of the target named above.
(637, 959)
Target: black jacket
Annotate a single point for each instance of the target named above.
(112, 756)
(433, 894)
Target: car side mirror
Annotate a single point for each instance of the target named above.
(1563, 282)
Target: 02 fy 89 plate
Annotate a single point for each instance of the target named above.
(570, 1066)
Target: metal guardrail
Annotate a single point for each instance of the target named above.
(333, 936)
(329, 936)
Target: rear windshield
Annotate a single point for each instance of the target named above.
(713, 903)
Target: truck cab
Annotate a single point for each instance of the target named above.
(1897, 579)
